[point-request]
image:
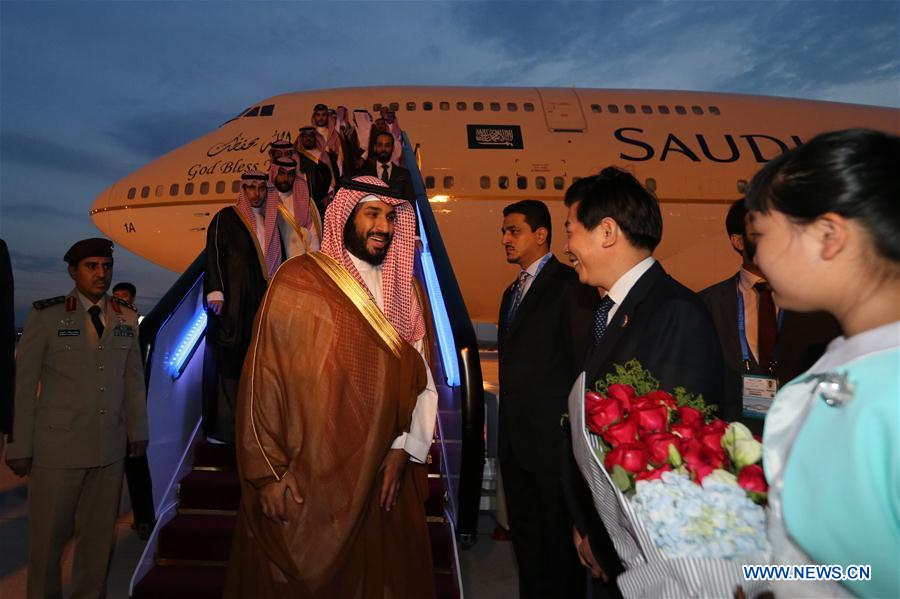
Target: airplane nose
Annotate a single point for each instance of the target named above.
(100, 210)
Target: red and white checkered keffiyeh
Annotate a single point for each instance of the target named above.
(401, 306)
(300, 195)
(272, 246)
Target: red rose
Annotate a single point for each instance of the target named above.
(653, 474)
(662, 398)
(752, 478)
(630, 456)
(621, 432)
(651, 420)
(591, 399)
(690, 416)
(683, 430)
(658, 446)
(603, 413)
(642, 403)
(624, 393)
(712, 438)
(717, 424)
(700, 471)
(695, 454)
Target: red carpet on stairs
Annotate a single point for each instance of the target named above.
(193, 547)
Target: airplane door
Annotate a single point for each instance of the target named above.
(562, 110)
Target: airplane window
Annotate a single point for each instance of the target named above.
(596, 108)
(629, 109)
(663, 109)
(235, 186)
(612, 108)
(522, 182)
(173, 189)
(429, 182)
(714, 110)
(188, 189)
(485, 182)
(427, 106)
(159, 191)
(512, 106)
(204, 187)
(646, 109)
(696, 110)
(528, 106)
(220, 186)
(145, 191)
(650, 184)
(558, 182)
(253, 111)
(540, 182)
(495, 106)
(503, 182)
(376, 107)
(478, 105)
(445, 105)
(460, 105)
(246, 112)
(267, 110)
(448, 182)
(680, 110)
(410, 106)
(395, 106)
(131, 193)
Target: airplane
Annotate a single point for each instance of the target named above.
(482, 148)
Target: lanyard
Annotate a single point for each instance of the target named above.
(742, 330)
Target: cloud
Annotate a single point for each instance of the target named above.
(23, 261)
(39, 210)
(71, 155)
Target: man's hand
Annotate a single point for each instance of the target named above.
(273, 500)
(586, 555)
(215, 306)
(137, 449)
(21, 467)
(394, 466)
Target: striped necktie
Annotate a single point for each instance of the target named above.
(601, 316)
(518, 294)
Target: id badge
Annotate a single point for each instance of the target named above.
(758, 393)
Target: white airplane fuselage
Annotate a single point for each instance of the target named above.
(695, 150)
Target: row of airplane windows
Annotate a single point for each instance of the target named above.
(485, 182)
(529, 107)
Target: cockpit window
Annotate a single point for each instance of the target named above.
(267, 110)
(253, 111)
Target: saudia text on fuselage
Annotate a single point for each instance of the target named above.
(715, 148)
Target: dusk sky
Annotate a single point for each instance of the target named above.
(90, 91)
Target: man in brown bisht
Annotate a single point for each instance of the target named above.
(336, 400)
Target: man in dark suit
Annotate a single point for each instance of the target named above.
(544, 321)
(381, 166)
(613, 226)
(776, 343)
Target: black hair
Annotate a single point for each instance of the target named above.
(736, 221)
(853, 173)
(123, 286)
(616, 194)
(536, 215)
(380, 133)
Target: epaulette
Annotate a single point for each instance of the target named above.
(122, 302)
(46, 303)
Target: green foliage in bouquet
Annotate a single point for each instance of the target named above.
(640, 379)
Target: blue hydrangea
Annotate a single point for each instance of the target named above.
(716, 520)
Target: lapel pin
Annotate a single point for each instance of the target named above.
(625, 321)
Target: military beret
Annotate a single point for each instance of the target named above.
(89, 248)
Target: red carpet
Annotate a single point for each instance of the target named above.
(193, 547)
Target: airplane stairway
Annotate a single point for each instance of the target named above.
(193, 547)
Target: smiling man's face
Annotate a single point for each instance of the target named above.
(372, 231)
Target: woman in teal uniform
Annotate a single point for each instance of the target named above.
(828, 218)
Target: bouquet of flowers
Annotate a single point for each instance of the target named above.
(680, 492)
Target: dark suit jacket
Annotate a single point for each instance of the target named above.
(665, 326)
(7, 341)
(541, 351)
(400, 178)
(801, 341)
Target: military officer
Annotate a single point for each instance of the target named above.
(79, 398)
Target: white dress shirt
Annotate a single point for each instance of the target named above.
(620, 289)
(746, 282)
(379, 168)
(533, 270)
(417, 442)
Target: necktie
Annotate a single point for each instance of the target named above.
(384, 173)
(600, 318)
(767, 330)
(518, 294)
(94, 311)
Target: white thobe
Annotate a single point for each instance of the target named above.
(416, 442)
